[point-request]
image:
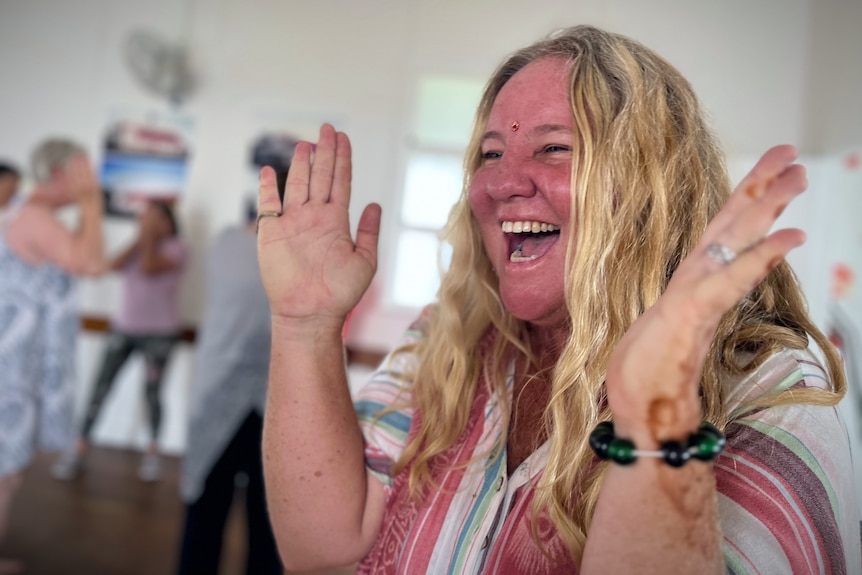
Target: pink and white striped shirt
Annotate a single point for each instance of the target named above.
(785, 485)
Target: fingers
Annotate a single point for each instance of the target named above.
(755, 221)
(735, 253)
(267, 199)
(325, 177)
(80, 178)
(323, 166)
(757, 203)
(368, 233)
(296, 188)
(343, 171)
(722, 290)
(771, 167)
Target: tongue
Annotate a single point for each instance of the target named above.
(538, 245)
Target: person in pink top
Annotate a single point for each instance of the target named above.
(148, 321)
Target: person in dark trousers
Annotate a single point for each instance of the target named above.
(226, 403)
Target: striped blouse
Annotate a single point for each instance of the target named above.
(785, 485)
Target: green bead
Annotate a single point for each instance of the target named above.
(708, 428)
(621, 451)
(705, 446)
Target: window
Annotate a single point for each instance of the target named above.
(440, 130)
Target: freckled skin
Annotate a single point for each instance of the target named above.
(526, 175)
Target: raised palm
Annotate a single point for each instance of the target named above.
(654, 370)
(311, 267)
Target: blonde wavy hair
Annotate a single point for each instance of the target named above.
(652, 176)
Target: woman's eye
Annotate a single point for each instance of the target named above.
(557, 148)
(491, 155)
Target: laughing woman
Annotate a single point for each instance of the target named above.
(616, 376)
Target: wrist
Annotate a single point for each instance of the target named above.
(659, 421)
(704, 444)
(91, 200)
(307, 331)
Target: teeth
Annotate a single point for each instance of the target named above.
(527, 227)
(516, 257)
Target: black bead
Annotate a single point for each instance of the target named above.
(600, 439)
(675, 453)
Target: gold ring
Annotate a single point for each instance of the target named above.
(266, 214)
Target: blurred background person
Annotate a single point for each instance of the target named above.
(148, 321)
(38, 309)
(10, 179)
(226, 408)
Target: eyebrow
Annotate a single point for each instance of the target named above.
(540, 130)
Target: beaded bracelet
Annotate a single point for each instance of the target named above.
(705, 444)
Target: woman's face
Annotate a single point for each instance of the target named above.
(158, 222)
(521, 193)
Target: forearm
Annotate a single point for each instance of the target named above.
(654, 518)
(153, 262)
(317, 485)
(149, 253)
(88, 242)
(122, 259)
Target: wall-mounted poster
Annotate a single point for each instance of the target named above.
(145, 157)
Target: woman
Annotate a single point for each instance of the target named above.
(38, 309)
(147, 321)
(600, 272)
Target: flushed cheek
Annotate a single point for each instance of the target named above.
(482, 208)
(480, 201)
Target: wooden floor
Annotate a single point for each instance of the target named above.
(107, 522)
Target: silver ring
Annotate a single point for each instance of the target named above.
(720, 253)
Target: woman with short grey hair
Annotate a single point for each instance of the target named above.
(40, 258)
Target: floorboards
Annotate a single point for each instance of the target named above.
(107, 522)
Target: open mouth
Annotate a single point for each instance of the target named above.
(529, 240)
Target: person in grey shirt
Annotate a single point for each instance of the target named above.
(226, 406)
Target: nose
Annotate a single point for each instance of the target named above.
(510, 179)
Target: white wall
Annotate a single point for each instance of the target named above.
(833, 122)
(293, 62)
(357, 63)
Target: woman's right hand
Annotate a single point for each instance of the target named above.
(80, 180)
(313, 271)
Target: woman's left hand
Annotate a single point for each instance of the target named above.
(654, 371)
